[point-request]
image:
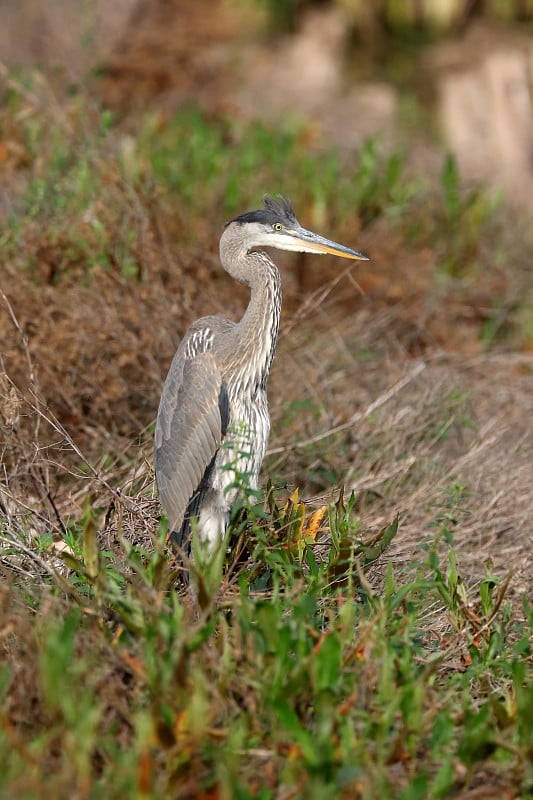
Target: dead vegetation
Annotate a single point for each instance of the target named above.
(82, 369)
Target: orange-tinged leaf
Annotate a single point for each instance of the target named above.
(293, 517)
(347, 704)
(311, 529)
(136, 666)
(118, 633)
(290, 504)
(180, 724)
(218, 733)
(319, 644)
(294, 752)
(144, 775)
(466, 659)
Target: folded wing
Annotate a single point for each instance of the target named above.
(189, 430)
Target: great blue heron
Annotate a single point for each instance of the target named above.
(213, 423)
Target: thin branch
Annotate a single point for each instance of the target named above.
(358, 416)
(315, 300)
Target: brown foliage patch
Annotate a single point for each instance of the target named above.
(83, 363)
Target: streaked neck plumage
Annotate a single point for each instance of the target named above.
(257, 332)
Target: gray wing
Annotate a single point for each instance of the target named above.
(189, 429)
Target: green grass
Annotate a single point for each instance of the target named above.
(93, 189)
(218, 168)
(316, 683)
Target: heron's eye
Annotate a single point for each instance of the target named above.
(277, 226)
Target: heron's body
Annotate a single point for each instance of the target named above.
(213, 424)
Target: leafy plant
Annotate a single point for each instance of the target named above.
(463, 220)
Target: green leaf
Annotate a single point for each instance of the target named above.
(327, 663)
(372, 551)
(300, 736)
(486, 589)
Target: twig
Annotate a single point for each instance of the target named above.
(42, 563)
(358, 416)
(317, 298)
(26, 348)
(58, 427)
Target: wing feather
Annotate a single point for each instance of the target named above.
(189, 430)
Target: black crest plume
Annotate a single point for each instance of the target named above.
(279, 210)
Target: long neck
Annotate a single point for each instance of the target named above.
(260, 324)
(257, 332)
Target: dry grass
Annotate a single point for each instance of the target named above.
(82, 372)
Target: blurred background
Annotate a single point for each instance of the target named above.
(457, 73)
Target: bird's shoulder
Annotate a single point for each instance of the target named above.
(190, 400)
(202, 335)
(195, 361)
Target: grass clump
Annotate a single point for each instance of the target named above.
(221, 167)
(77, 212)
(324, 687)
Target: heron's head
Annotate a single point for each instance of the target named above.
(275, 225)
